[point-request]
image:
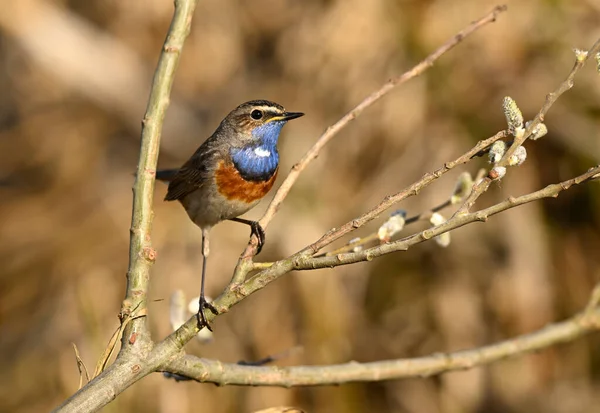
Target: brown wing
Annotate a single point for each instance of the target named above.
(193, 175)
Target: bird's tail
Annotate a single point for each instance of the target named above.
(166, 175)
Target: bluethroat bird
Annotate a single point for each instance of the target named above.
(229, 174)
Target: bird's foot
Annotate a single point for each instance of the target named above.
(202, 321)
(256, 229)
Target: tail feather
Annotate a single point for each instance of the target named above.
(166, 175)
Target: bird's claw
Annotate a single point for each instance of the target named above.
(202, 321)
(257, 230)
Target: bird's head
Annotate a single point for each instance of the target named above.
(259, 122)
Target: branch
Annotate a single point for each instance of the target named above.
(457, 221)
(479, 188)
(139, 356)
(567, 84)
(383, 234)
(333, 130)
(132, 363)
(304, 259)
(244, 265)
(300, 261)
(411, 190)
(213, 371)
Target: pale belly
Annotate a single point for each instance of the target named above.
(207, 208)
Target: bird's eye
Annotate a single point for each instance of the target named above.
(256, 114)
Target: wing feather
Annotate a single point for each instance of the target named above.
(193, 175)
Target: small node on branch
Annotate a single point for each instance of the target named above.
(126, 308)
(149, 253)
(481, 216)
(172, 49)
(426, 235)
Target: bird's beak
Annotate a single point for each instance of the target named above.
(291, 115)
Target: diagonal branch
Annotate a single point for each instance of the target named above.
(237, 290)
(244, 264)
(333, 130)
(551, 191)
(390, 200)
(301, 261)
(552, 97)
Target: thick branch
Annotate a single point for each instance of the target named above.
(216, 372)
(131, 364)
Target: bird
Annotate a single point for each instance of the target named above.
(229, 174)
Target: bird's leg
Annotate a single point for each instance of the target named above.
(202, 303)
(255, 229)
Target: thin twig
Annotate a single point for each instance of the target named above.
(333, 130)
(81, 367)
(374, 237)
(244, 267)
(566, 85)
(390, 200)
(478, 189)
(303, 260)
(141, 253)
(454, 199)
(300, 261)
(112, 343)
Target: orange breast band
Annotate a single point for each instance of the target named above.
(232, 186)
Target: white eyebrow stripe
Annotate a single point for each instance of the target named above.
(262, 152)
(269, 109)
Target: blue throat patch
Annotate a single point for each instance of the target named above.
(258, 160)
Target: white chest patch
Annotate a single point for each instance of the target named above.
(262, 152)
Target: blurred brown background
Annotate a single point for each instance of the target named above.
(74, 79)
